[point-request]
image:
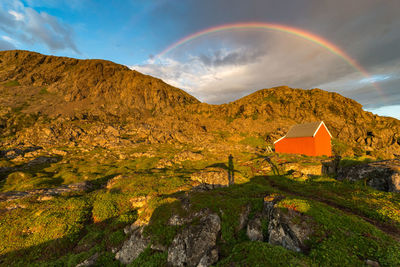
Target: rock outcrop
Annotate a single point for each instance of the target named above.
(132, 247)
(212, 177)
(45, 193)
(381, 175)
(196, 244)
(286, 227)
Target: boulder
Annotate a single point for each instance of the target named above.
(187, 155)
(91, 261)
(381, 175)
(212, 177)
(306, 170)
(42, 160)
(195, 244)
(287, 228)
(254, 229)
(132, 247)
(244, 217)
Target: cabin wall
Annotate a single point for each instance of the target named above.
(323, 144)
(298, 145)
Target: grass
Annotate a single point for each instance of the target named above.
(254, 141)
(347, 161)
(68, 229)
(382, 206)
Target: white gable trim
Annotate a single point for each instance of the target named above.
(322, 123)
(279, 139)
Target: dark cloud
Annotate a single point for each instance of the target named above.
(222, 58)
(367, 30)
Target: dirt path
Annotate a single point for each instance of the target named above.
(388, 228)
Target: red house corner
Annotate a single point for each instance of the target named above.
(311, 139)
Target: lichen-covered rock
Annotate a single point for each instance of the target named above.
(244, 217)
(381, 175)
(287, 228)
(212, 177)
(303, 170)
(77, 187)
(91, 261)
(254, 229)
(196, 244)
(132, 247)
(187, 155)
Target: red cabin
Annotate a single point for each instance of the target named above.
(311, 139)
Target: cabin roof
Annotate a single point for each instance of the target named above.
(304, 130)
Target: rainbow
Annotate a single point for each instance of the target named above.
(275, 27)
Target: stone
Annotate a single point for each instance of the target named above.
(90, 261)
(42, 160)
(164, 163)
(244, 217)
(212, 177)
(287, 228)
(187, 155)
(381, 175)
(138, 202)
(195, 244)
(372, 263)
(113, 181)
(45, 198)
(254, 229)
(301, 169)
(132, 247)
(209, 258)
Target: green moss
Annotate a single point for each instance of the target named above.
(271, 98)
(43, 91)
(347, 162)
(41, 230)
(254, 141)
(262, 254)
(11, 83)
(150, 258)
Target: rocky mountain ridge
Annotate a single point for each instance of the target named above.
(47, 100)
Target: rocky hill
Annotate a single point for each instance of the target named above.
(64, 101)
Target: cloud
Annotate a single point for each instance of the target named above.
(4, 45)
(390, 111)
(30, 27)
(241, 66)
(17, 16)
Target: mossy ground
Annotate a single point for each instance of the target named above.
(68, 229)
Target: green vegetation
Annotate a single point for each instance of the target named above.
(65, 230)
(43, 91)
(11, 83)
(254, 141)
(347, 161)
(271, 98)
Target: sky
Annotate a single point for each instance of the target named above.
(354, 47)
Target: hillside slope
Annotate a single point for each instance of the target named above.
(64, 101)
